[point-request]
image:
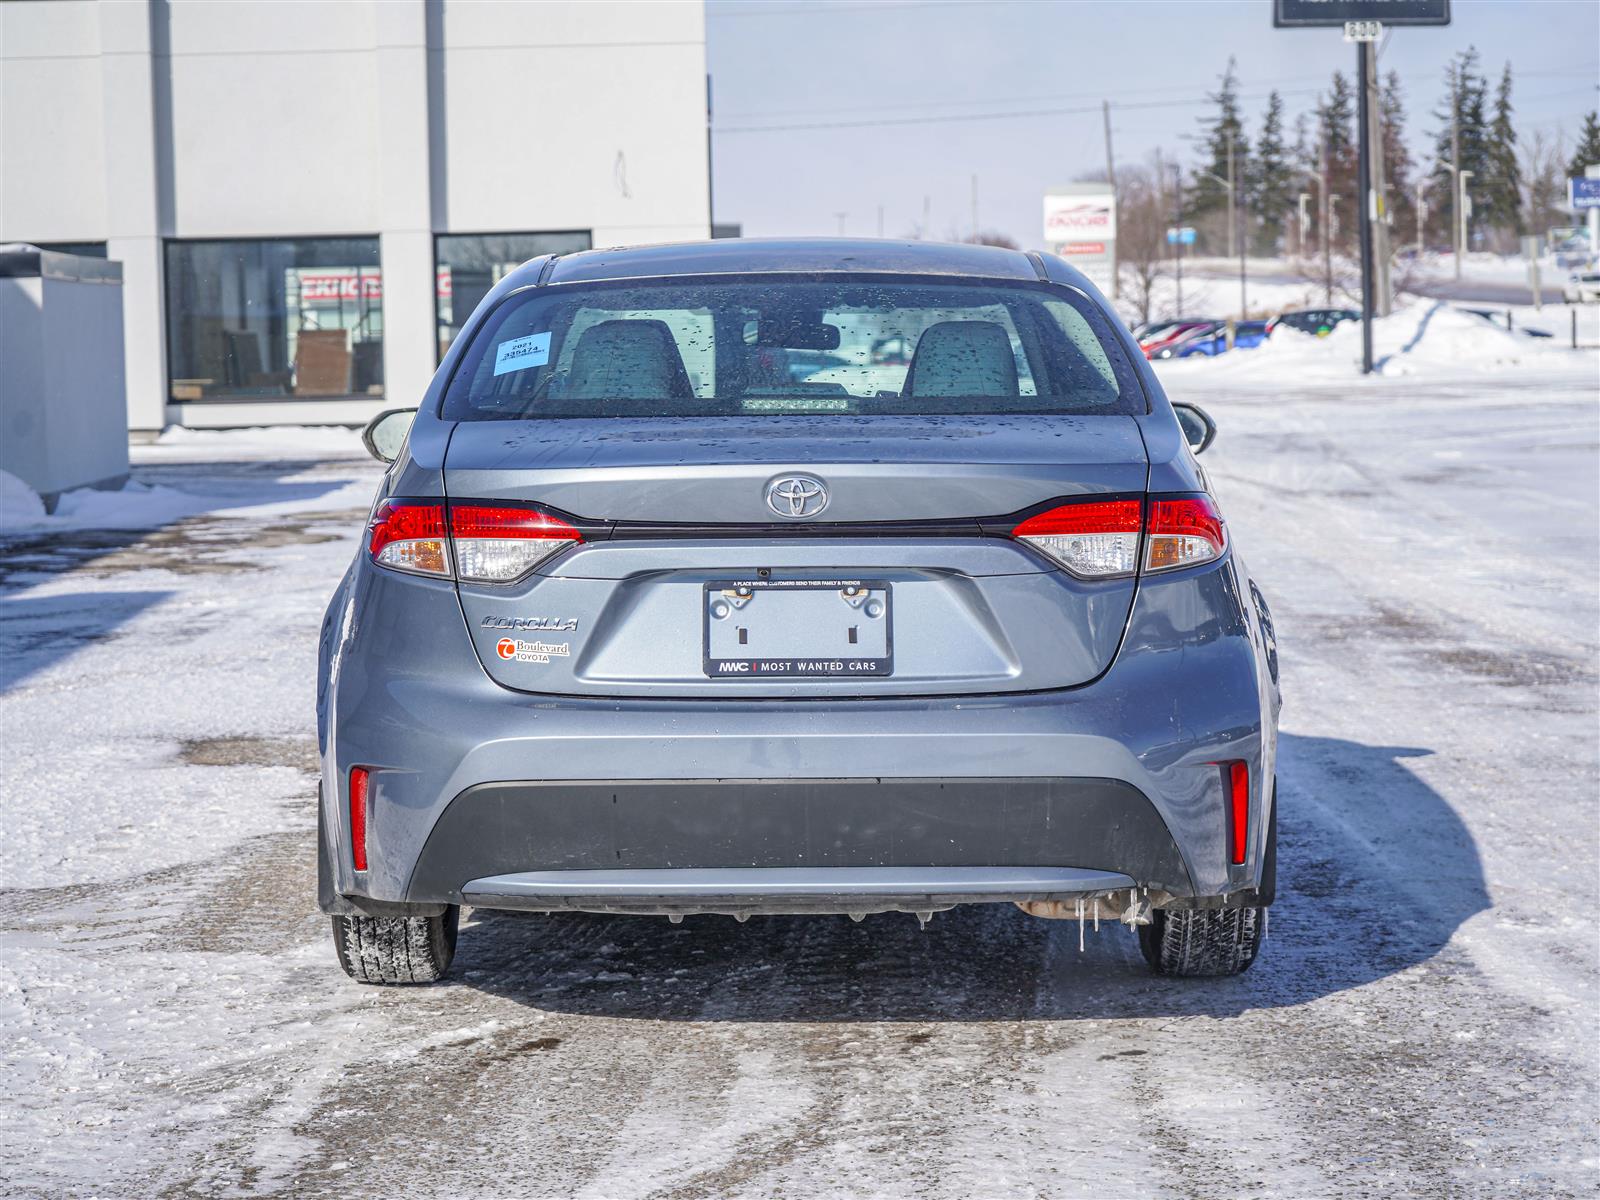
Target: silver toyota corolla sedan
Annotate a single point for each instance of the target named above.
(682, 595)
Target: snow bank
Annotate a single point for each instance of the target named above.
(19, 503)
(1422, 337)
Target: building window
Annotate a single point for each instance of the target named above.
(299, 317)
(469, 264)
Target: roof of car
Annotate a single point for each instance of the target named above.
(740, 256)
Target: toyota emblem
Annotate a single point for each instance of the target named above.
(796, 496)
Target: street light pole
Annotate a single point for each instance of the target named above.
(1305, 221)
(1365, 201)
(1463, 206)
(1422, 211)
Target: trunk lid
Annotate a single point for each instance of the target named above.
(893, 588)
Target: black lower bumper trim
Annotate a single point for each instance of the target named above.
(504, 828)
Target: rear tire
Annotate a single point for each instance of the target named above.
(1202, 941)
(396, 949)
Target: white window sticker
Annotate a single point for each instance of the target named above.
(521, 353)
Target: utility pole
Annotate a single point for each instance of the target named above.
(1111, 178)
(1365, 203)
(711, 175)
(1231, 227)
(974, 208)
(1304, 226)
(840, 216)
(1456, 223)
(1382, 300)
(1177, 223)
(880, 220)
(927, 216)
(1327, 230)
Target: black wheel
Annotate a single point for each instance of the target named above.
(396, 949)
(1202, 941)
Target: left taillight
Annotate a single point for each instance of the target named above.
(408, 535)
(478, 543)
(500, 545)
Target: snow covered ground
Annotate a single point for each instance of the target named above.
(1423, 1021)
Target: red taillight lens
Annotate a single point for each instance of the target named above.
(1183, 532)
(410, 536)
(1239, 808)
(487, 543)
(358, 817)
(1096, 539)
(499, 545)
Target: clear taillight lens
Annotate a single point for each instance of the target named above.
(499, 545)
(1096, 539)
(410, 536)
(1183, 532)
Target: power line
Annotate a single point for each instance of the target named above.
(997, 116)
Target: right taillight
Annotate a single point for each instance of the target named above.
(1099, 539)
(1183, 531)
(1096, 539)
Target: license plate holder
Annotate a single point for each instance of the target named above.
(797, 629)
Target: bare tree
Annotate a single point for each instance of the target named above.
(1544, 180)
(1142, 221)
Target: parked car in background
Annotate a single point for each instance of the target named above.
(616, 643)
(1165, 344)
(1211, 342)
(1319, 322)
(1582, 288)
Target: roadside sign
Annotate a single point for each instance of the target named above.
(1181, 237)
(1583, 192)
(1363, 31)
(1313, 14)
(1080, 220)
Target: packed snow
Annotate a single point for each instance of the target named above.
(1424, 1019)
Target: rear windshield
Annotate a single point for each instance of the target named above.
(728, 346)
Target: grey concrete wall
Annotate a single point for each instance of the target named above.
(63, 401)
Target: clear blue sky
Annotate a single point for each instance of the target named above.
(843, 62)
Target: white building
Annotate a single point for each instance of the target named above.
(307, 198)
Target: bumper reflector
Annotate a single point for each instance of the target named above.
(358, 817)
(1239, 804)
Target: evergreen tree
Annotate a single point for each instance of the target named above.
(1399, 190)
(1272, 185)
(1501, 206)
(1208, 196)
(1338, 155)
(1465, 101)
(1587, 151)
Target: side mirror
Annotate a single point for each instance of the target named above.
(386, 433)
(1199, 430)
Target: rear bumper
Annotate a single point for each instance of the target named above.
(471, 781)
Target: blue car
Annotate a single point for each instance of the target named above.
(620, 638)
(1214, 341)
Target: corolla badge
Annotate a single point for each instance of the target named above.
(796, 496)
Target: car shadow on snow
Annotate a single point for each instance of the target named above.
(1376, 872)
(37, 632)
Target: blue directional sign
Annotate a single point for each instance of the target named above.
(1181, 237)
(1581, 193)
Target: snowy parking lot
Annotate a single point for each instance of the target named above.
(1423, 1021)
